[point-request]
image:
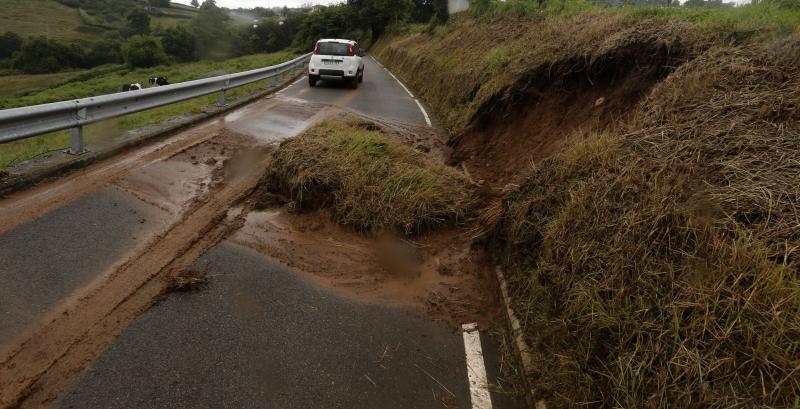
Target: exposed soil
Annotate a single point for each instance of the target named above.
(442, 274)
(551, 107)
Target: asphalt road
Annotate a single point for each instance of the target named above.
(259, 336)
(379, 95)
(43, 262)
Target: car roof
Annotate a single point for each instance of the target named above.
(336, 40)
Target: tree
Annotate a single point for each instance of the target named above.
(40, 55)
(143, 51)
(9, 44)
(159, 3)
(138, 23)
(209, 5)
(105, 52)
(180, 43)
(195, 4)
(376, 15)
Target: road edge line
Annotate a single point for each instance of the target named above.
(476, 368)
(424, 113)
(520, 346)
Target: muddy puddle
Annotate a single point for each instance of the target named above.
(442, 275)
(174, 184)
(283, 120)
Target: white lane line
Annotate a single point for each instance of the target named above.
(421, 108)
(424, 113)
(401, 84)
(476, 369)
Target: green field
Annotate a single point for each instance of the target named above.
(43, 18)
(56, 21)
(108, 82)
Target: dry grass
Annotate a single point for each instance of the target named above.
(503, 51)
(371, 182)
(658, 266)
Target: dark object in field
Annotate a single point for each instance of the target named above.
(131, 87)
(158, 81)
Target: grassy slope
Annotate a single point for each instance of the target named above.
(371, 181)
(42, 18)
(500, 48)
(654, 264)
(54, 20)
(111, 82)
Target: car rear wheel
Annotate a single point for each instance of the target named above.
(312, 80)
(353, 82)
(361, 76)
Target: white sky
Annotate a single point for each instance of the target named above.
(248, 4)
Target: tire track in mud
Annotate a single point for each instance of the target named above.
(39, 368)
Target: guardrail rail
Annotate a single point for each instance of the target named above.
(30, 121)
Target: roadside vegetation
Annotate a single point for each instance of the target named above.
(370, 181)
(650, 231)
(102, 82)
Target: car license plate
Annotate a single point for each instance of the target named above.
(331, 62)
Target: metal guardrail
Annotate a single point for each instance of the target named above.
(26, 122)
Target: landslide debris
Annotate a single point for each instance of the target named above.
(648, 185)
(659, 263)
(370, 181)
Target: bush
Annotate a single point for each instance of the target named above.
(9, 44)
(143, 51)
(105, 52)
(39, 55)
(180, 43)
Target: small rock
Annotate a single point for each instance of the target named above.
(600, 101)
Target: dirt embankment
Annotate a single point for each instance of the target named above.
(535, 86)
(355, 207)
(649, 185)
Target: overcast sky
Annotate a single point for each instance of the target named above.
(248, 4)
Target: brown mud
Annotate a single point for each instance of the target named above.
(38, 368)
(442, 274)
(197, 177)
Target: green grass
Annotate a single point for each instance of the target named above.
(43, 18)
(111, 82)
(371, 181)
(17, 151)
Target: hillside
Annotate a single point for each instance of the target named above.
(58, 21)
(640, 190)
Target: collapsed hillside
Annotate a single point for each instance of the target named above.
(650, 184)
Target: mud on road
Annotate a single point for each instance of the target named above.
(201, 180)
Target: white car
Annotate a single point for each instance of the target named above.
(336, 59)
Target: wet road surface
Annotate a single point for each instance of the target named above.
(259, 336)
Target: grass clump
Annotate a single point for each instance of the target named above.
(370, 181)
(659, 266)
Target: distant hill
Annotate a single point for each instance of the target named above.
(81, 21)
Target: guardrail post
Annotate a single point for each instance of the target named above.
(76, 146)
(221, 101)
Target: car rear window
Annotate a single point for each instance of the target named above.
(332, 49)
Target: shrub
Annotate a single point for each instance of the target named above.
(39, 55)
(180, 43)
(9, 44)
(143, 51)
(105, 52)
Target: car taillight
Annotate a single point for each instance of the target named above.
(316, 48)
(351, 50)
